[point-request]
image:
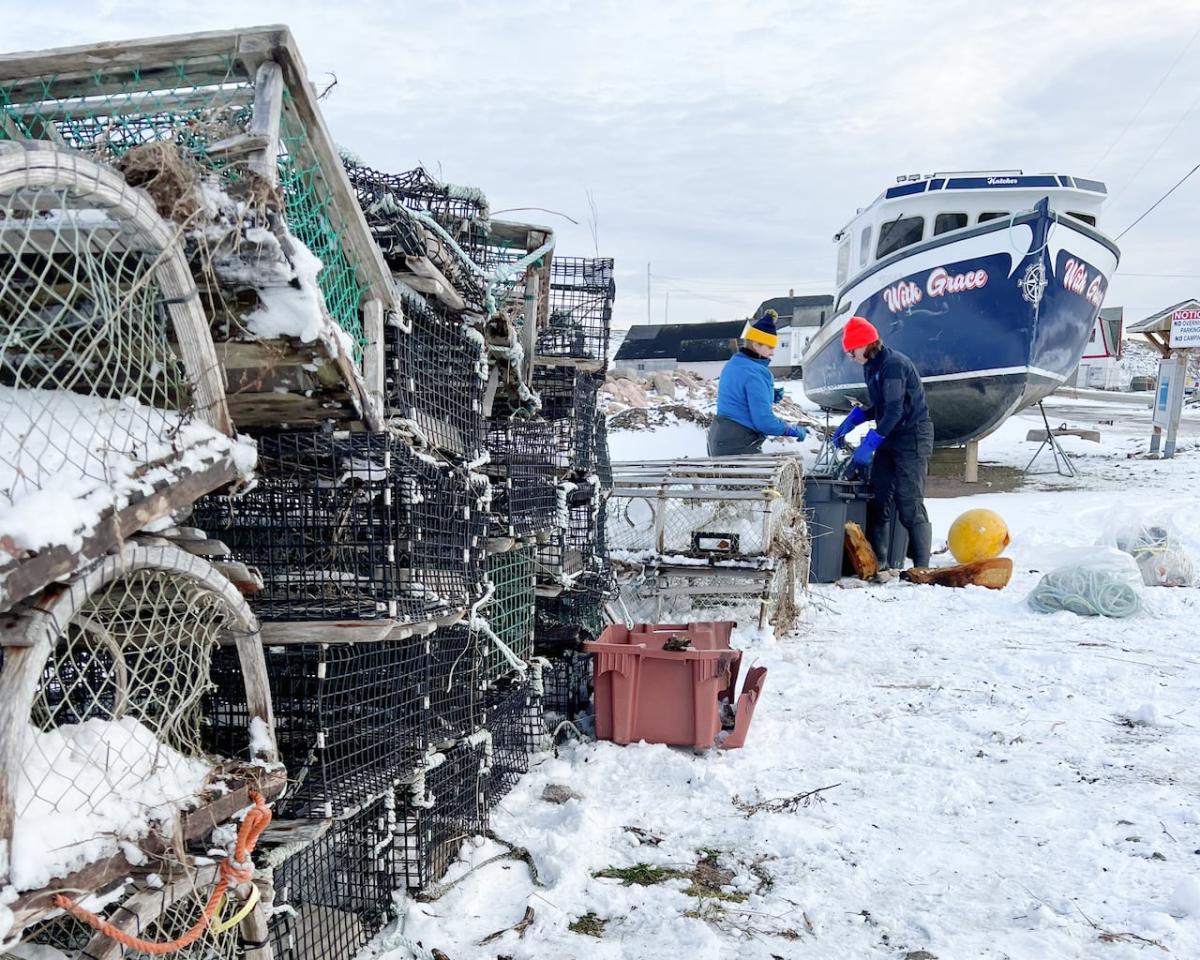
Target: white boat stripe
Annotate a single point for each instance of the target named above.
(969, 375)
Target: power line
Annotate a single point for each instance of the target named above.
(1161, 276)
(1149, 97)
(1158, 201)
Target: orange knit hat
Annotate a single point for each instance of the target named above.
(858, 332)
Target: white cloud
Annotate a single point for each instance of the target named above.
(726, 142)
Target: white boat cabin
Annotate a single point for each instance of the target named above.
(921, 207)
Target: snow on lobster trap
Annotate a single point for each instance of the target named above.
(696, 537)
(102, 763)
(109, 388)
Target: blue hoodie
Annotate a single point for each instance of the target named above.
(746, 393)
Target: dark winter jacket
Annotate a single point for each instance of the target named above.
(897, 397)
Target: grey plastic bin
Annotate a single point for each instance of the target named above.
(829, 505)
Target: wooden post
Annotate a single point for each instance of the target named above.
(264, 121)
(373, 352)
(971, 466)
(529, 327)
(258, 689)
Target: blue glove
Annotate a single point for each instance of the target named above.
(866, 450)
(797, 431)
(853, 420)
(778, 394)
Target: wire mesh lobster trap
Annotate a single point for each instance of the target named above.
(332, 883)
(413, 216)
(106, 679)
(353, 526)
(581, 302)
(445, 805)
(350, 718)
(435, 377)
(239, 105)
(508, 612)
(568, 400)
(523, 460)
(454, 682)
(579, 543)
(566, 686)
(694, 536)
(512, 716)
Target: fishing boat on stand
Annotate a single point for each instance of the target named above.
(990, 282)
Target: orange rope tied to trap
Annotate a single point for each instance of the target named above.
(236, 869)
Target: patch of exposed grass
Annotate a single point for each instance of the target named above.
(589, 925)
(642, 874)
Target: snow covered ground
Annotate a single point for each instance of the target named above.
(993, 783)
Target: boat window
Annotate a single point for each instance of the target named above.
(843, 261)
(898, 234)
(864, 247)
(949, 221)
(991, 215)
(1085, 217)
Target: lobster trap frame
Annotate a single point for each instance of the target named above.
(576, 332)
(512, 716)
(568, 398)
(238, 103)
(127, 644)
(105, 356)
(690, 536)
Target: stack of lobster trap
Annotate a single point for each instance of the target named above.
(371, 627)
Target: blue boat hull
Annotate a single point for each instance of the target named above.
(994, 318)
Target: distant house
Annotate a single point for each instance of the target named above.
(700, 347)
(1100, 365)
(799, 319)
(704, 347)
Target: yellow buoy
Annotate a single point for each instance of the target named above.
(978, 535)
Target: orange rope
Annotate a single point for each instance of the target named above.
(237, 869)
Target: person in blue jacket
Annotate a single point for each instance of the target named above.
(746, 393)
(898, 449)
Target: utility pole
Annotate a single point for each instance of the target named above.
(647, 291)
(667, 309)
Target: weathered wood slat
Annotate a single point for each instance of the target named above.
(264, 120)
(24, 578)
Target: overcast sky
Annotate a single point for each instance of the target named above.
(725, 143)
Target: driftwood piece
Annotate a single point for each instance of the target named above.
(993, 574)
(858, 550)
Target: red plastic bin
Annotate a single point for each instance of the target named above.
(674, 696)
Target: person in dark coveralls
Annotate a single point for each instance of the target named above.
(898, 449)
(746, 393)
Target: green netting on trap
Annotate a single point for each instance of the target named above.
(199, 104)
(509, 612)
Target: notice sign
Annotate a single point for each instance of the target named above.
(1185, 327)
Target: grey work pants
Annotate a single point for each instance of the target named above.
(728, 438)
